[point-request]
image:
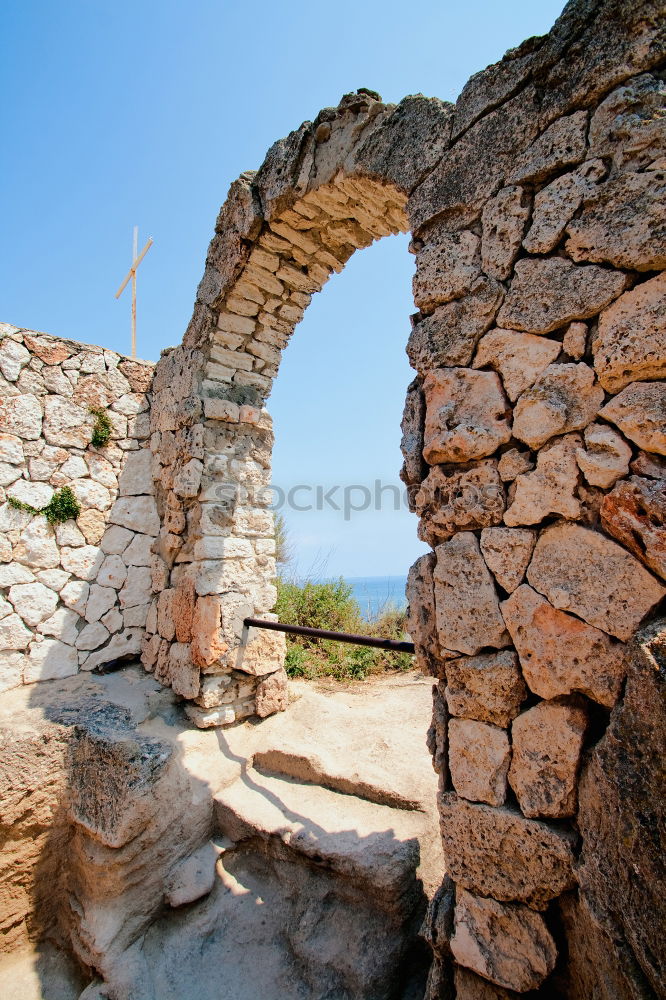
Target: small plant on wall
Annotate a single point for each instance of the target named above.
(62, 506)
(102, 428)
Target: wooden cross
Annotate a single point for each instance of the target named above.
(132, 274)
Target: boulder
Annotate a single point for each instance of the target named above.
(488, 688)
(640, 413)
(459, 497)
(447, 267)
(564, 398)
(630, 344)
(635, 513)
(551, 487)
(503, 221)
(507, 552)
(518, 357)
(606, 456)
(466, 415)
(479, 757)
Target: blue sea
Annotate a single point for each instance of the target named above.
(375, 593)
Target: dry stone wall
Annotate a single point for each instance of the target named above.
(73, 595)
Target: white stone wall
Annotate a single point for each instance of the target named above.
(76, 595)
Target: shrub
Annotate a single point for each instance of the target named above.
(62, 506)
(102, 427)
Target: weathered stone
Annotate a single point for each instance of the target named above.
(537, 860)
(137, 588)
(566, 292)
(547, 742)
(449, 336)
(514, 463)
(518, 357)
(92, 524)
(11, 669)
(640, 413)
(488, 687)
(83, 561)
(635, 513)
(136, 513)
(503, 219)
(33, 602)
(456, 498)
(11, 449)
(36, 546)
(21, 416)
(574, 342)
(183, 673)
(411, 445)
(13, 633)
(138, 552)
(507, 552)
(606, 455)
(469, 986)
(508, 944)
(561, 145)
(421, 623)
(559, 654)
(65, 423)
(447, 267)
(13, 357)
(75, 595)
(183, 610)
(91, 494)
(92, 636)
(583, 572)
(193, 878)
(467, 608)
(551, 487)
(36, 494)
(557, 204)
(437, 735)
(622, 223)
(466, 415)
(272, 694)
(136, 478)
(563, 398)
(49, 659)
(262, 653)
(630, 344)
(653, 466)
(115, 540)
(479, 757)
(112, 572)
(97, 602)
(208, 644)
(125, 645)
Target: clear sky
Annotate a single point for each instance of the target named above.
(143, 112)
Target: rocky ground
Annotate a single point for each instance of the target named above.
(310, 880)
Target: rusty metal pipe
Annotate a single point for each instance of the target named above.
(394, 645)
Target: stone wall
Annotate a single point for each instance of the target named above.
(76, 594)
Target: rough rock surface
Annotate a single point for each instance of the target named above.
(551, 487)
(635, 514)
(446, 268)
(556, 204)
(605, 457)
(489, 687)
(420, 594)
(507, 552)
(640, 413)
(538, 859)
(546, 742)
(563, 398)
(479, 757)
(459, 498)
(503, 219)
(583, 572)
(506, 943)
(566, 292)
(467, 607)
(630, 344)
(559, 654)
(518, 357)
(466, 415)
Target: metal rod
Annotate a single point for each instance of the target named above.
(395, 645)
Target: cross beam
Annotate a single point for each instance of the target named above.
(132, 274)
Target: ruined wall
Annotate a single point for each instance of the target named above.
(76, 594)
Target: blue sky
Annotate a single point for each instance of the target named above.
(124, 113)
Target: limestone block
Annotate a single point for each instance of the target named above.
(63, 625)
(14, 572)
(518, 357)
(488, 688)
(136, 476)
(606, 456)
(421, 623)
(5, 549)
(36, 546)
(91, 494)
(49, 659)
(479, 757)
(446, 268)
(630, 344)
(187, 480)
(272, 694)
(551, 487)
(13, 633)
(574, 342)
(182, 673)
(216, 690)
(183, 610)
(547, 743)
(583, 572)
(411, 444)
(635, 513)
(507, 552)
(65, 423)
(21, 416)
(138, 513)
(123, 645)
(97, 601)
(649, 465)
(458, 498)
(54, 579)
(11, 449)
(449, 336)
(10, 473)
(33, 602)
(563, 398)
(437, 735)
(13, 357)
(562, 144)
(137, 588)
(622, 223)
(560, 654)
(466, 415)
(640, 413)
(208, 718)
(503, 219)
(262, 653)
(467, 609)
(567, 292)
(208, 644)
(514, 463)
(556, 204)
(83, 561)
(75, 595)
(192, 878)
(11, 670)
(508, 944)
(36, 494)
(138, 552)
(112, 572)
(92, 636)
(68, 534)
(92, 524)
(537, 859)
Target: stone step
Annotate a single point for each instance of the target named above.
(351, 837)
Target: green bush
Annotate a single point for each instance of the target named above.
(102, 427)
(62, 506)
(331, 606)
